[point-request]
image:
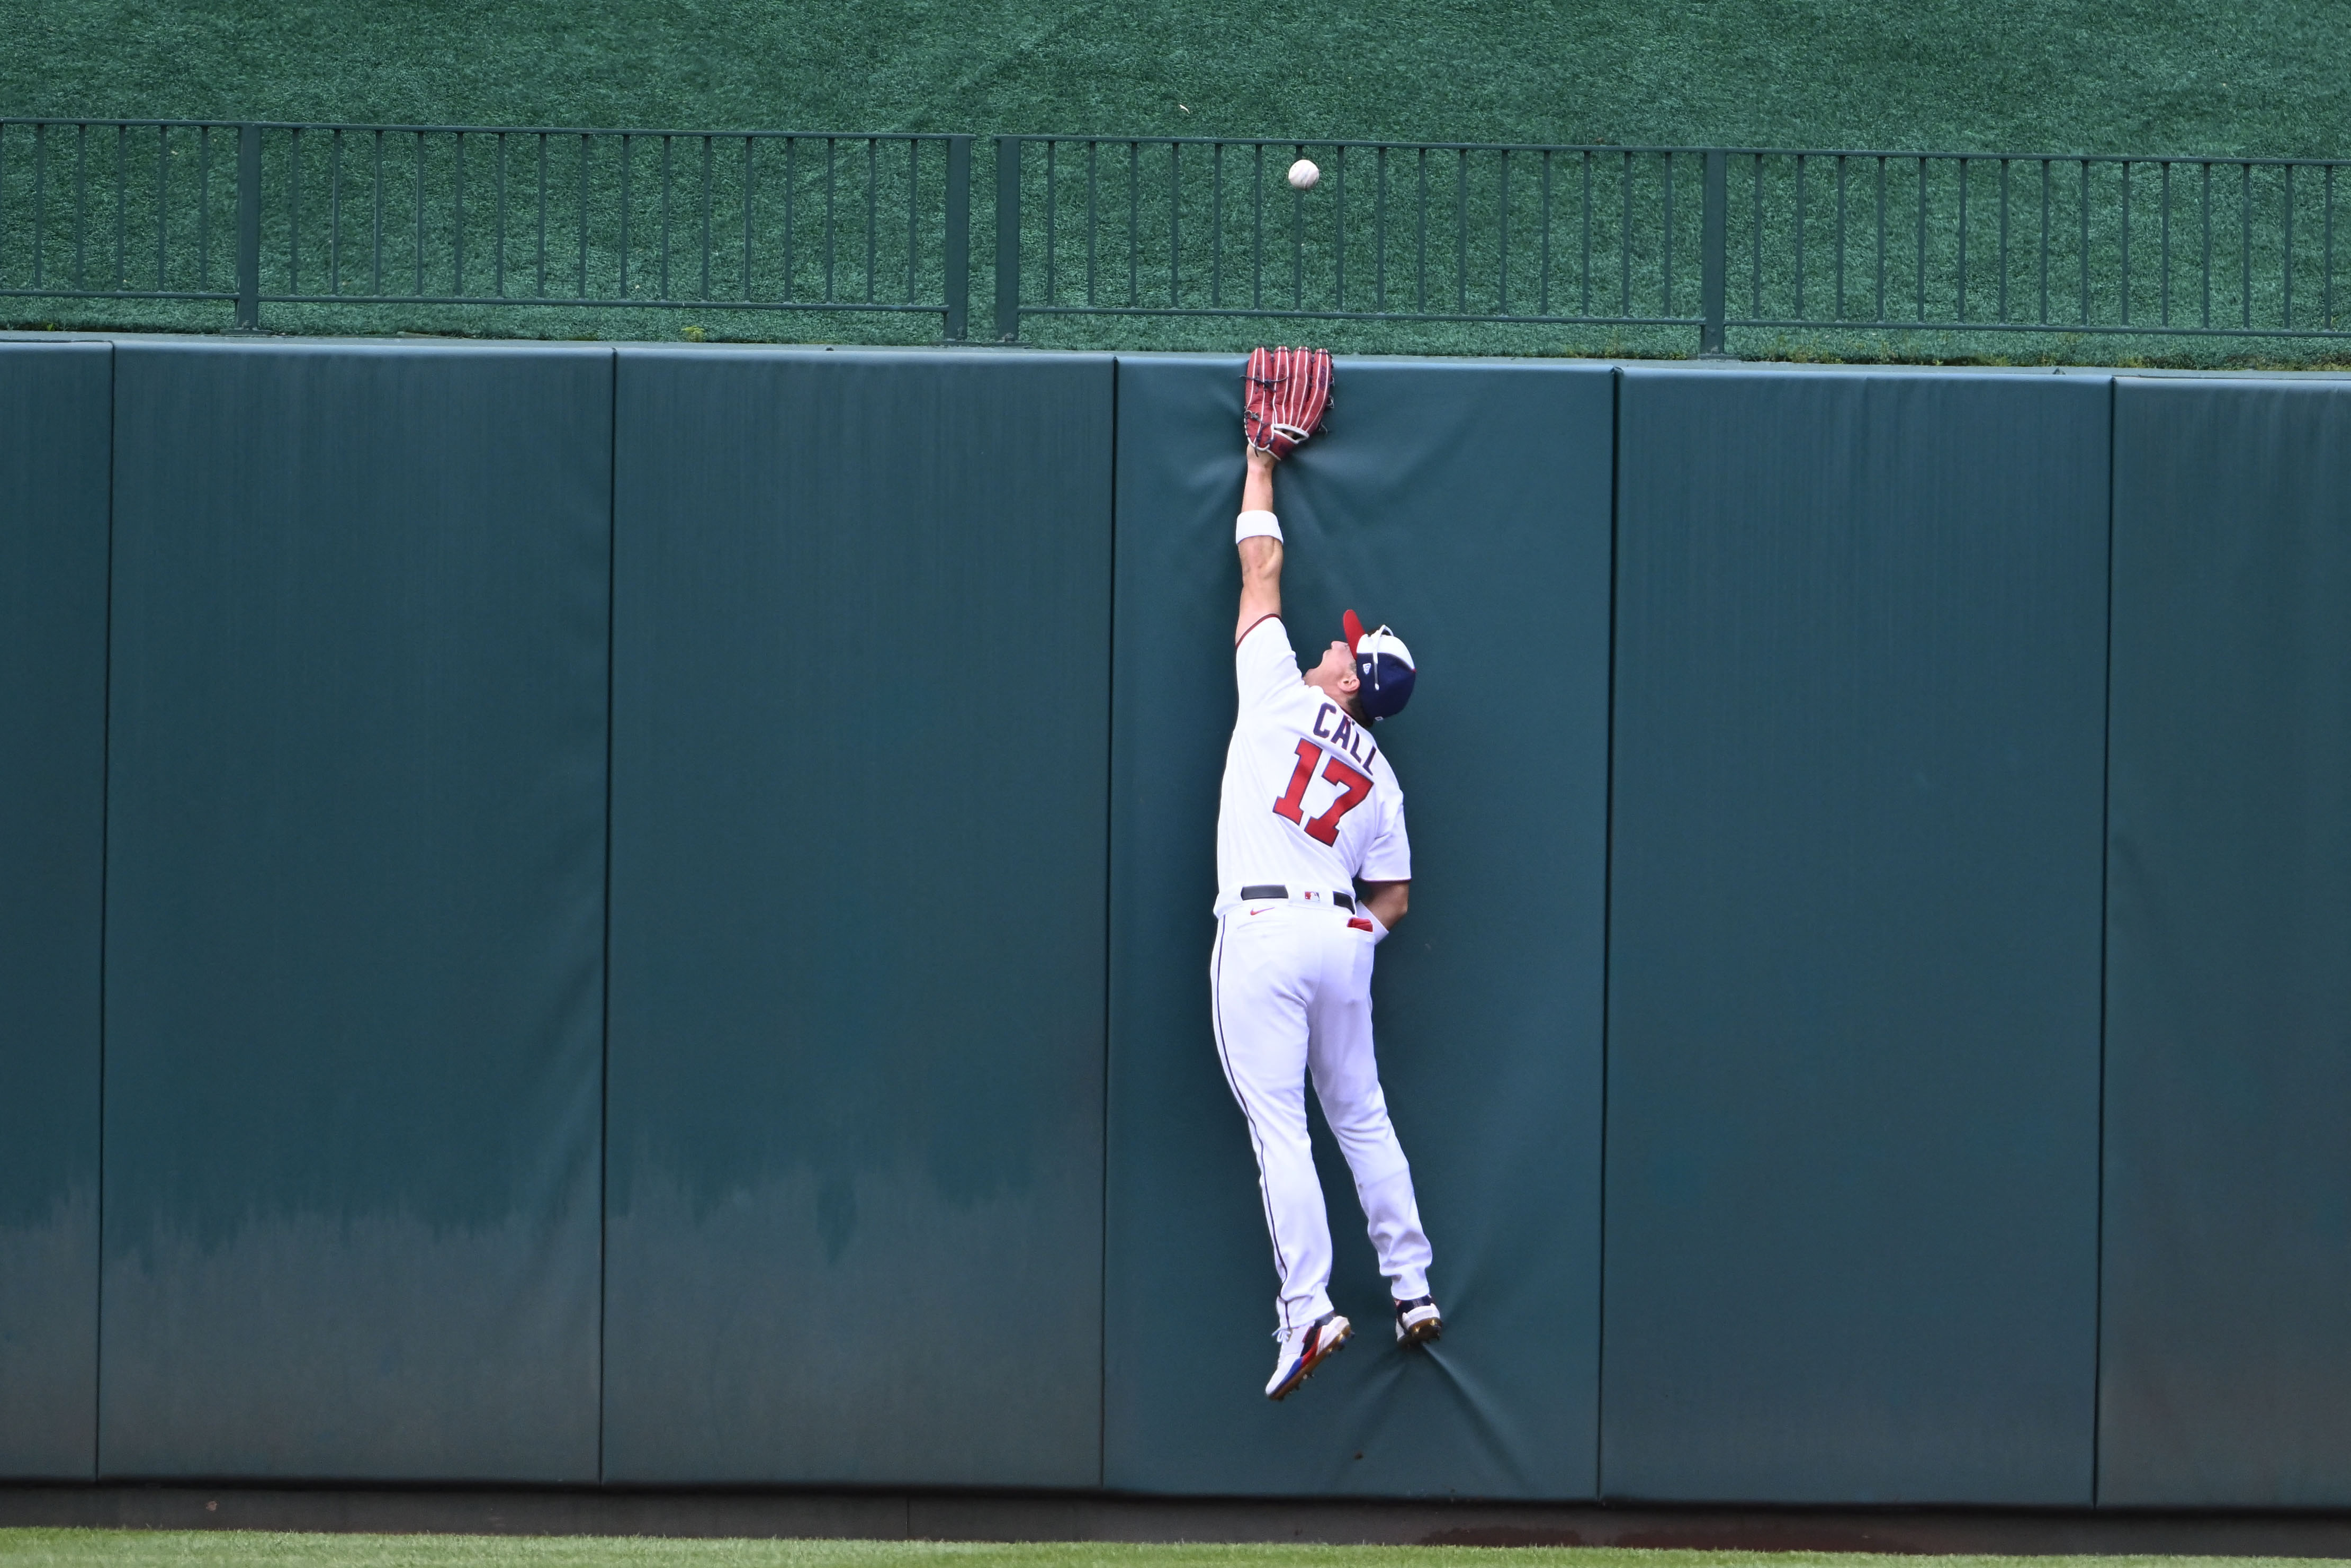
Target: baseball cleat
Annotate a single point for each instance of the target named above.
(1303, 1350)
(1417, 1320)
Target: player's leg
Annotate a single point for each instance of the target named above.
(1259, 988)
(1262, 985)
(1347, 1080)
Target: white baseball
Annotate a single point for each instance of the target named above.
(1304, 174)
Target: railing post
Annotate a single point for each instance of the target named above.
(958, 258)
(248, 228)
(1008, 239)
(1714, 257)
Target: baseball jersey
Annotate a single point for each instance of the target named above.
(1309, 800)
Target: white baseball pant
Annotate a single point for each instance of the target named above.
(1291, 988)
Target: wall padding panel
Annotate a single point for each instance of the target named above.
(1467, 505)
(1853, 970)
(355, 911)
(2227, 1344)
(860, 866)
(55, 402)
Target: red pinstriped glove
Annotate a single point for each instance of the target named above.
(1285, 394)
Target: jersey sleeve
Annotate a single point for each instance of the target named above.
(1264, 666)
(1388, 857)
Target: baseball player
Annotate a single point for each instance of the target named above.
(1313, 871)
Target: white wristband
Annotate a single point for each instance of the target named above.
(1256, 526)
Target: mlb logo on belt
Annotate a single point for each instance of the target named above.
(1310, 896)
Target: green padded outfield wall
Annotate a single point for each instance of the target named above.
(861, 708)
(911, 1088)
(355, 911)
(1467, 504)
(1853, 1034)
(2226, 1373)
(54, 402)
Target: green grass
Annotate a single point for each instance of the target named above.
(199, 1549)
(2222, 77)
(2209, 76)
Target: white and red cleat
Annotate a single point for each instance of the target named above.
(1303, 1350)
(1417, 1322)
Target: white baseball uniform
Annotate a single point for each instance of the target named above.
(1310, 804)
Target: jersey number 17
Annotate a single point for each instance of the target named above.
(1353, 786)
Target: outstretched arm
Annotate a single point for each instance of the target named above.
(1261, 556)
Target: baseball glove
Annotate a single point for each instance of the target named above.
(1285, 394)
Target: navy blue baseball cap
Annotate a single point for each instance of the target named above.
(1384, 665)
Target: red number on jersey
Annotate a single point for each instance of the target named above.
(1352, 788)
(1309, 754)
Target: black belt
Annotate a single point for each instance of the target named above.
(1275, 890)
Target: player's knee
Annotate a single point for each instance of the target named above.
(1363, 1121)
(1351, 1097)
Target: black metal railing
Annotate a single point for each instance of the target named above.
(408, 215)
(1780, 240)
(1707, 238)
